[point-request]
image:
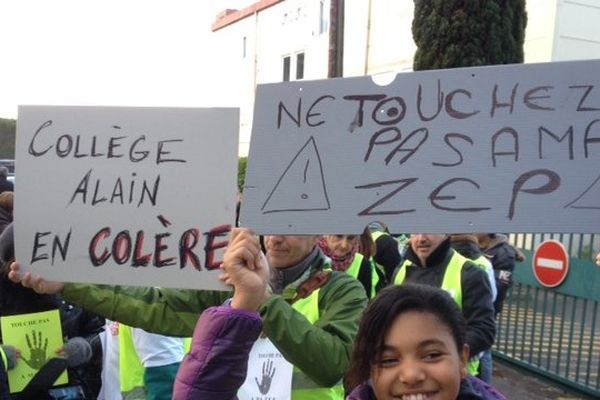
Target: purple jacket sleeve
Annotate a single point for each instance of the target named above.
(216, 366)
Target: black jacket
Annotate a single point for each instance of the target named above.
(503, 257)
(387, 254)
(6, 185)
(477, 305)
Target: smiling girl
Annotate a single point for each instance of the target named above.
(411, 346)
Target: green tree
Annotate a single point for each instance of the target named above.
(465, 33)
(8, 129)
(242, 162)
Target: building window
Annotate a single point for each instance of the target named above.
(244, 47)
(323, 17)
(286, 68)
(299, 65)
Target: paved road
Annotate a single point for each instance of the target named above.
(517, 384)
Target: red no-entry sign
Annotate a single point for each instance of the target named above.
(550, 263)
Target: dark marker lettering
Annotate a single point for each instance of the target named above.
(587, 140)
(568, 133)
(82, 187)
(393, 114)
(78, 153)
(447, 138)
(151, 194)
(434, 197)
(496, 104)
(36, 246)
(361, 98)
(64, 144)
(211, 246)
(138, 259)
(530, 97)
(95, 198)
(584, 207)
(31, 150)
(282, 107)
(515, 138)
(121, 248)
(94, 258)
(159, 248)
(113, 144)
(369, 210)
(310, 114)
(440, 102)
(93, 152)
(62, 248)
(134, 155)
(551, 185)
(584, 97)
(452, 111)
(187, 243)
(375, 140)
(409, 150)
(160, 152)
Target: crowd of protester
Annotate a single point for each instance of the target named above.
(361, 317)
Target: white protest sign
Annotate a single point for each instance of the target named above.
(135, 196)
(512, 148)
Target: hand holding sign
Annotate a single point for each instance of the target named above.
(34, 281)
(246, 269)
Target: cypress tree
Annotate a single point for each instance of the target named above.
(465, 33)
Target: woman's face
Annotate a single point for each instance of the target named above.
(341, 245)
(419, 361)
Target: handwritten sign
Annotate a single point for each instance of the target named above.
(490, 149)
(138, 196)
(38, 336)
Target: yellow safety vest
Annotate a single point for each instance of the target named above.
(354, 269)
(451, 283)
(4, 358)
(304, 388)
(131, 370)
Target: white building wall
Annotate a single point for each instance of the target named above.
(378, 41)
(391, 45)
(356, 28)
(236, 66)
(540, 32)
(577, 30)
(288, 28)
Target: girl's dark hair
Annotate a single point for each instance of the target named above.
(383, 311)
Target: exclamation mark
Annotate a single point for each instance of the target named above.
(304, 195)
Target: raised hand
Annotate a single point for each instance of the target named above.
(37, 350)
(268, 372)
(246, 269)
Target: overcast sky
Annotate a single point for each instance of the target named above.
(110, 52)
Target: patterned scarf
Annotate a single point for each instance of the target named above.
(337, 263)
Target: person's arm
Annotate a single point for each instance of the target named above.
(171, 312)
(322, 350)
(217, 363)
(478, 309)
(216, 366)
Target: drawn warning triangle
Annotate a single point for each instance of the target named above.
(589, 199)
(301, 187)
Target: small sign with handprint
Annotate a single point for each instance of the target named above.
(37, 336)
(269, 374)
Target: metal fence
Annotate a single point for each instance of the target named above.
(555, 332)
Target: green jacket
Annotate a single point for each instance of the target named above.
(322, 351)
